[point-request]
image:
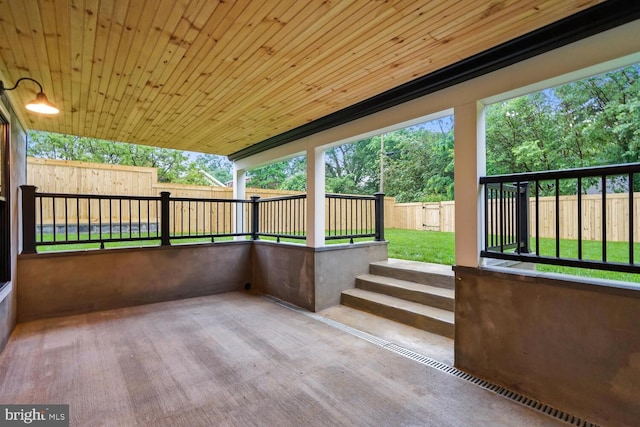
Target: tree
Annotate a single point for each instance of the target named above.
(422, 167)
(354, 168)
(217, 166)
(590, 122)
(604, 110)
(594, 121)
(280, 175)
(522, 136)
(297, 182)
(172, 165)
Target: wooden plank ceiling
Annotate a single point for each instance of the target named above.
(218, 76)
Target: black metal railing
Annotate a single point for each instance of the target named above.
(506, 217)
(57, 218)
(346, 217)
(208, 218)
(280, 217)
(351, 217)
(513, 209)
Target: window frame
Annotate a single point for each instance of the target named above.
(5, 201)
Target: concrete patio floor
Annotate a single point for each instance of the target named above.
(425, 343)
(233, 359)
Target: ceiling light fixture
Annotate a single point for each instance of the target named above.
(39, 105)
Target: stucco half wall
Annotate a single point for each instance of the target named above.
(79, 282)
(312, 278)
(571, 343)
(65, 283)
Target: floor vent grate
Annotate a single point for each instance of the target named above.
(511, 395)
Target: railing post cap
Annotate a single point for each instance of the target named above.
(255, 197)
(378, 194)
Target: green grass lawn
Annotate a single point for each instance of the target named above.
(439, 247)
(110, 245)
(428, 246)
(153, 242)
(425, 246)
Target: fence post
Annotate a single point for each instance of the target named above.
(164, 218)
(255, 211)
(523, 220)
(29, 219)
(379, 212)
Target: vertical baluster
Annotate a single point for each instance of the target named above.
(280, 213)
(523, 218)
(495, 228)
(537, 219)
(100, 222)
(175, 217)
(189, 217)
(631, 219)
(486, 217)
(55, 231)
(120, 216)
(78, 217)
(604, 218)
(110, 219)
(579, 217)
(66, 220)
(502, 214)
(294, 219)
(350, 204)
(557, 185)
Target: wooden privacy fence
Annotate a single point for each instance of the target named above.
(59, 176)
(66, 176)
(71, 177)
(617, 217)
(435, 216)
(440, 216)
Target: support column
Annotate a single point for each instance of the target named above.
(239, 193)
(470, 165)
(315, 197)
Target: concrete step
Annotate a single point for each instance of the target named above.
(419, 272)
(422, 294)
(410, 313)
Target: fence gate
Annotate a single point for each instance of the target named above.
(431, 216)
